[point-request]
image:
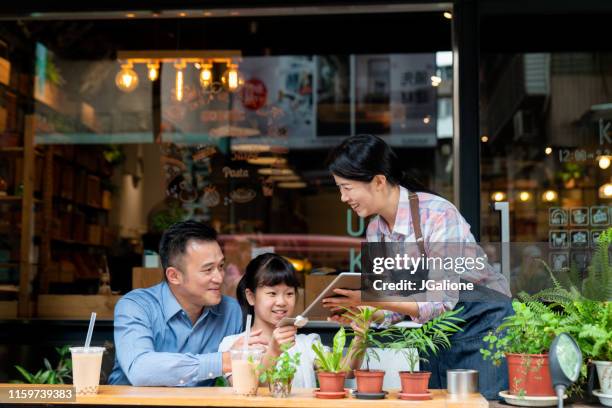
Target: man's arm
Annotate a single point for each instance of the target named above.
(143, 366)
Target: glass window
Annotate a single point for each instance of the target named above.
(132, 133)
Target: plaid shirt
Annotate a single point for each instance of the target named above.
(440, 222)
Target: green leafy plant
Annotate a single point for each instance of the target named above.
(585, 302)
(58, 375)
(282, 368)
(366, 339)
(428, 339)
(162, 220)
(113, 154)
(332, 361)
(530, 330)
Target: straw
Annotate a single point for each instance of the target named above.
(90, 330)
(247, 333)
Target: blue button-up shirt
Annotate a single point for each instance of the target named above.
(157, 345)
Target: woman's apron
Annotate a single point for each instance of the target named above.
(480, 318)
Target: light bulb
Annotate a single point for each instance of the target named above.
(448, 15)
(484, 139)
(548, 150)
(498, 196)
(605, 191)
(549, 196)
(231, 78)
(604, 162)
(524, 196)
(126, 79)
(153, 71)
(179, 83)
(206, 76)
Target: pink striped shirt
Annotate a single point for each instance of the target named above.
(440, 222)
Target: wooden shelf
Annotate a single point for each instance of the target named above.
(73, 242)
(82, 205)
(10, 198)
(9, 288)
(18, 199)
(8, 264)
(11, 149)
(18, 149)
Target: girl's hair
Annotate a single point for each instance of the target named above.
(265, 270)
(362, 157)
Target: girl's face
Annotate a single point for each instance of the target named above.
(364, 198)
(272, 303)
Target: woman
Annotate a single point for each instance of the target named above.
(372, 182)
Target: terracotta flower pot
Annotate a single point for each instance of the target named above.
(528, 374)
(369, 381)
(414, 383)
(331, 382)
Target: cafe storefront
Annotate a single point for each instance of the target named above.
(115, 123)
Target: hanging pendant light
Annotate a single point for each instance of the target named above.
(231, 78)
(126, 79)
(180, 66)
(153, 71)
(206, 75)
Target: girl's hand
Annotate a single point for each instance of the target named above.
(283, 335)
(255, 339)
(347, 298)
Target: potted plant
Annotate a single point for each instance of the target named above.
(414, 344)
(332, 367)
(58, 375)
(366, 339)
(587, 311)
(597, 287)
(279, 375)
(524, 340)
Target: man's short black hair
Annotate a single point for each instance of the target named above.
(174, 241)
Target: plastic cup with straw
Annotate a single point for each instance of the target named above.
(86, 364)
(245, 378)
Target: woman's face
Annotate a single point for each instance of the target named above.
(360, 196)
(272, 303)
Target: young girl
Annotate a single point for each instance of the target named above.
(268, 291)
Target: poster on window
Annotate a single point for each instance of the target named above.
(395, 97)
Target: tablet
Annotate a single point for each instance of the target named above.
(346, 280)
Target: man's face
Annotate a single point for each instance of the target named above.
(202, 271)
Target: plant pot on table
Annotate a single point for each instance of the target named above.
(416, 382)
(529, 375)
(331, 382)
(369, 381)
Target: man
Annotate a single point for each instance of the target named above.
(168, 335)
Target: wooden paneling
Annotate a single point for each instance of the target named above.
(76, 306)
(146, 277)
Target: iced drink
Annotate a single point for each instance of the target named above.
(245, 376)
(86, 366)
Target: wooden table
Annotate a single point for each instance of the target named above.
(113, 395)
